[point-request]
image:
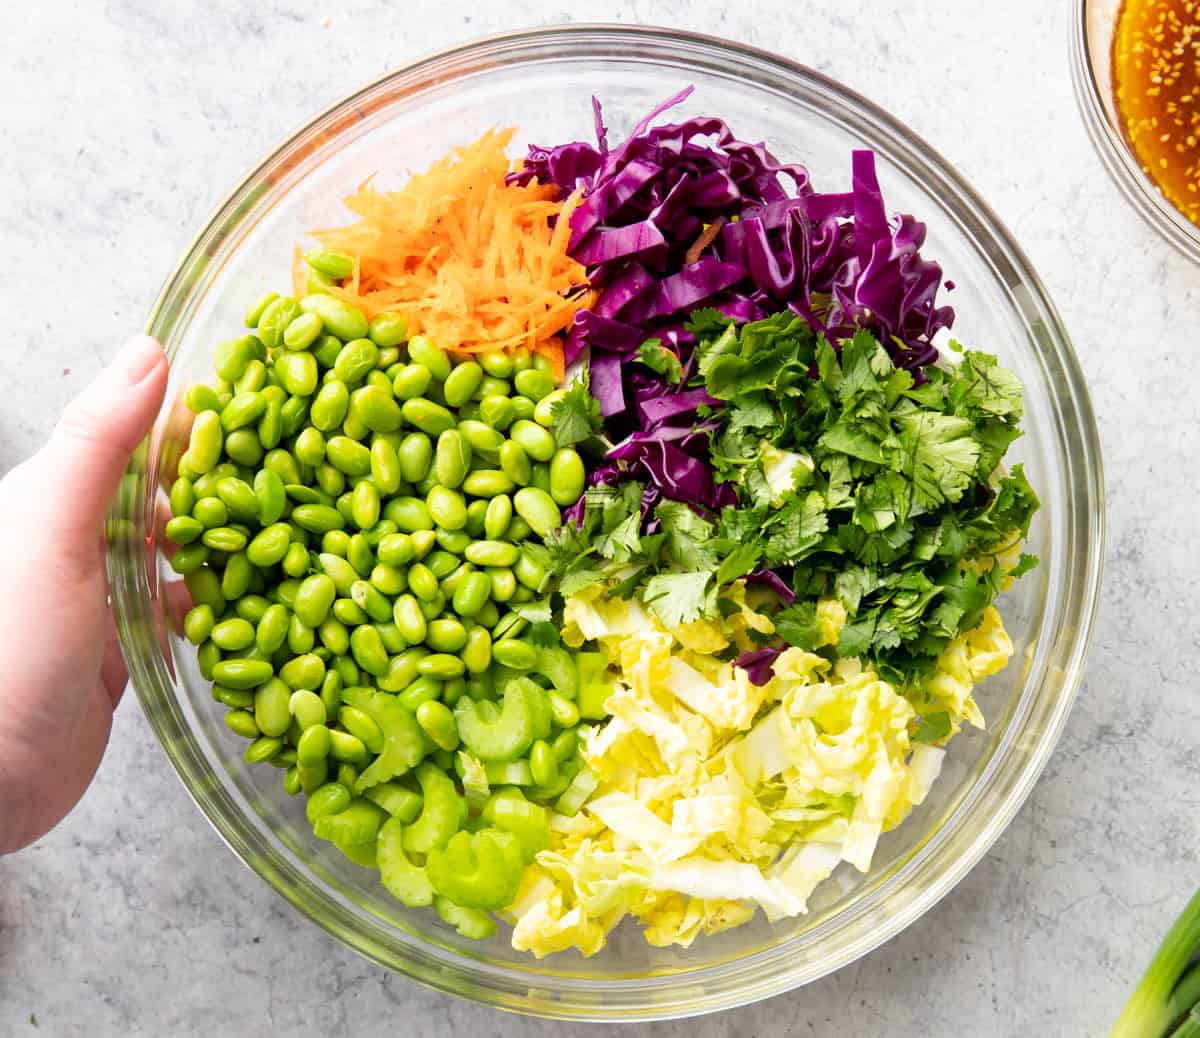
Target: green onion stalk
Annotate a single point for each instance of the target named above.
(1166, 1003)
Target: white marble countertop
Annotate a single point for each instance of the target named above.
(121, 125)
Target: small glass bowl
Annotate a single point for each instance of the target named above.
(1092, 31)
(541, 81)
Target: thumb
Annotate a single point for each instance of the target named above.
(90, 447)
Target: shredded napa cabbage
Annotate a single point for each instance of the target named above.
(718, 796)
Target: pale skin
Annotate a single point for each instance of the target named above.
(62, 665)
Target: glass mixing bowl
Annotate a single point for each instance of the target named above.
(1092, 30)
(541, 81)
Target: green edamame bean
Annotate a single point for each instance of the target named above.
(272, 701)
(376, 408)
(224, 538)
(441, 563)
(487, 483)
(240, 722)
(476, 514)
(367, 649)
(313, 745)
(238, 576)
(358, 554)
(437, 722)
(272, 629)
(497, 364)
(385, 466)
(529, 573)
(396, 549)
(422, 350)
(416, 455)
(533, 383)
(206, 441)
(271, 497)
(270, 426)
(423, 690)
(207, 657)
(472, 594)
(303, 331)
(497, 517)
(342, 319)
(285, 591)
(277, 315)
(432, 608)
(340, 572)
(297, 373)
(284, 465)
(331, 687)
(515, 463)
(183, 529)
(410, 514)
(390, 635)
(523, 408)
(365, 505)
(563, 711)
(504, 583)
(334, 636)
(312, 776)
(477, 651)
(390, 580)
(431, 418)
(363, 727)
(347, 748)
(454, 541)
(335, 265)
(445, 635)
(453, 458)
(262, 749)
(348, 456)
(295, 561)
(492, 553)
(447, 508)
(497, 411)
(518, 530)
(541, 477)
(231, 357)
(310, 450)
(300, 637)
(307, 708)
(243, 447)
(317, 518)
(238, 497)
(240, 699)
(329, 407)
(522, 359)
(252, 607)
(331, 799)
(542, 762)
(256, 308)
(233, 634)
(490, 386)
(199, 397)
(198, 623)
(567, 476)
(205, 588)
(543, 413)
(423, 542)
(387, 330)
(314, 598)
(449, 584)
(538, 509)
(422, 582)
(331, 481)
(462, 382)
(348, 612)
(514, 654)
(411, 381)
(537, 442)
(402, 669)
(479, 436)
(565, 744)
(182, 496)
(293, 415)
(291, 781)
(326, 350)
(211, 512)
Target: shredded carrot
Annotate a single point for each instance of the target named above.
(473, 263)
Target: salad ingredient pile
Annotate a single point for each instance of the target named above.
(669, 634)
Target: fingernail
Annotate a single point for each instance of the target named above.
(137, 359)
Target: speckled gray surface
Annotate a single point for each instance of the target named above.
(122, 123)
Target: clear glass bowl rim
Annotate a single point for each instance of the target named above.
(949, 853)
(1115, 154)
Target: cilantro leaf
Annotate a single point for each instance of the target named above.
(933, 728)
(678, 598)
(577, 415)
(939, 456)
(662, 360)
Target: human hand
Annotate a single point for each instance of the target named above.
(62, 669)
